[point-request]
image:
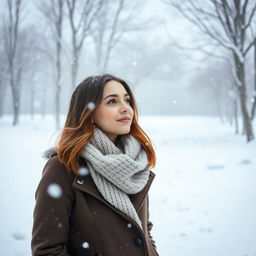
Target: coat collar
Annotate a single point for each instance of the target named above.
(87, 185)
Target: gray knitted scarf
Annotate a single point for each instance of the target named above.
(116, 171)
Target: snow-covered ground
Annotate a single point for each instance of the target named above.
(202, 201)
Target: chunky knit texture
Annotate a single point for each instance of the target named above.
(116, 171)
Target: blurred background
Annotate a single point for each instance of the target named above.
(191, 56)
(192, 68)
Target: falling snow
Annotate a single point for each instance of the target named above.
(54, 190)
(90, 106)
(129, 225)
(83, 171)
(85, 245)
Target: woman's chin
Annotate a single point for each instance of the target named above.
(124, 131)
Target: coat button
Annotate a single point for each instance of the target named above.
(138, 241)
(80, 182)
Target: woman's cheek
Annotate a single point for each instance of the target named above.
(111, 112)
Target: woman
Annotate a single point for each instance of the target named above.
(93, 196)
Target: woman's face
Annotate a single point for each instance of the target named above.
(115, 104)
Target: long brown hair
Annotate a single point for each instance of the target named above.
(79, 128)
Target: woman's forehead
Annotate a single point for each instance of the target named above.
(114, 87)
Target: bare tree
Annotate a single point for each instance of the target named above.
(44, 50)
(11, 27)
(53, 12)
(230, 25)
(115, 19)
(81, 15)
(34, 65)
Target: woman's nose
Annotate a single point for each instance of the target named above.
(124, 107)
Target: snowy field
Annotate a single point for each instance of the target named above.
(202, 201)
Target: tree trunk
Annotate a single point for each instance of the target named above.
(57, 107)
(15, 93)
(248, 129)
(58, 64)
(254, 91)
(2, 93)
(236, 116)
(58, 88)
(74, 68)
(16, 102)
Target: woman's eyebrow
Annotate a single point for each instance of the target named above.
(115, 95)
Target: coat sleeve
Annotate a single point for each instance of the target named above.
(150, 225)
(52, 211)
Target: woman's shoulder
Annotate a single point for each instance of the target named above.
(54, 167)
(56, 177)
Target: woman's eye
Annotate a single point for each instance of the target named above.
(111, 101)
(114, 101)
(128, 100)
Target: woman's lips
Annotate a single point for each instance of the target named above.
(124, 120)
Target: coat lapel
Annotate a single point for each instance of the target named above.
(86, 184)
(137, 199)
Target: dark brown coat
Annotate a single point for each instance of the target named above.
(82, 223)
